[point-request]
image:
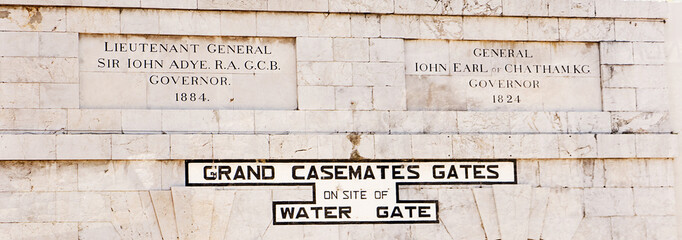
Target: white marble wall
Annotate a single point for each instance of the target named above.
(69, 170)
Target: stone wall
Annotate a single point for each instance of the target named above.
(76, 166)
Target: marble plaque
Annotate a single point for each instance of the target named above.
(187, 72)
(502, 76)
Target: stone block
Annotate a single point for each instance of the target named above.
(538, 208)
(303, 5)
(238, 23)
(440, 27)
(640, 122)
(378, 74)
(513, 210)
(527, 172)
(402, 122)
(189, 22)
(133, 120)
(94, 120)
(634, 9)
(571, 8)
(616, 146)
(316, 98)
(426, 51)
(399, 26)
(270, 24)
(487, 28)
(446, 7)
(656, 145)
(483, 122)
(314, 49)
(236, 121)
(485, 202)
(95, 230)
(175, 4)
(88, 20)
(619, 99)
(360, 6)
(324, 73)
(110, 3)
(543, 29)
(649, 52)
(393, 146)
(140, 147)
(538, 122)
(39, 176)
(233, 5)
(371, 121)
(83, 146)
(440, 122)
(640, 30)
(525, 8)
(252, 203)
(432, 146)
(456, 204)
(191, 146)
(279, 121)
(40, 120)
(593, 228)
(350, 232)
(27, 207)
(616, 53)
(60, 231)
(606, 202)
(293, 147)
(386, 50)
(189, 121)
(634, 76)
(58, 44)
(33, 19)
(19, 95)
(472, 146)
(661, 227)
(654, 201)
(628, 228)
(365, 25)
(83, 206)
(564, 213)
(582, 29)
(43, 70)
(359, 52)
(482, 7)
(172, 174)
(329, 121)
(562, 173)
(577, 146)
(389, 98)
(19, 44)
(165, 213)
(526, 146)
(143, 21)
(638, 173)
(328, 25)
(118, 175)
(192, 205)
(353, 98)
(59, 96)
(649, 100)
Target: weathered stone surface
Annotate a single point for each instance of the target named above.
(241, 224)
(31, 176)
(628, 228)
(538, 208)
(564, 213)
(593, 228)
(119, 175)
(604, 202)
(485, 202)
(165, 213)
(513, 210)
(192, 205)
(654, 201)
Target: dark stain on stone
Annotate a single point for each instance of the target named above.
(4, 14)
(35, 17)
(355, 139)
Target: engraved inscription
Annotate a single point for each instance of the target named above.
(507, 76)
(183, 72)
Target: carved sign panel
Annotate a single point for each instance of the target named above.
(187, 72)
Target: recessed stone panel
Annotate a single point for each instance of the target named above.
(187, 72)
(502, 76)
